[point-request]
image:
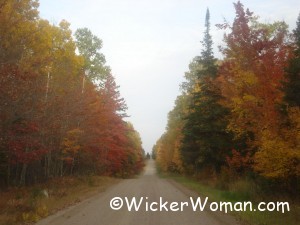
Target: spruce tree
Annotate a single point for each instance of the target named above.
(205, 139)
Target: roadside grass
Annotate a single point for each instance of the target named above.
(27, 205)
(241, 191)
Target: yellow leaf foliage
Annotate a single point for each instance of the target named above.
(71, 143)
(279, 154)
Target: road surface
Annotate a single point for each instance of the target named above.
(97, 210)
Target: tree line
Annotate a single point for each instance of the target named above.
(239, 116)
(61, 112)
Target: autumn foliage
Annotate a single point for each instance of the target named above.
(252, 100)
(60, 109)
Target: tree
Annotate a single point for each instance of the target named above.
(292, 84)
(167, 149)
(49, 126)
(251, 78)
(135, 153)
(18, 23)
(278, 156)
(205, 140)
(252, 72)
(20, 88)
(89, 47)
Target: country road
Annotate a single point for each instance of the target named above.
(97, 211)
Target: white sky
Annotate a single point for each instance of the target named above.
(149, 44)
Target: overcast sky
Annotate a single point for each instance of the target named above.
(149, 44)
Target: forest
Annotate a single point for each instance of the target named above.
(238, 117)
(61, 112)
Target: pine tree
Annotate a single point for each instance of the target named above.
(204, 132)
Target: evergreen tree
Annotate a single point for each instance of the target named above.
(205, 138)
(292, 85)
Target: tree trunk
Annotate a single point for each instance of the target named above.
(23, 174)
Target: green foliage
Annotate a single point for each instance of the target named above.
(205, 139)
(89, 47)
(239, 116)
(292, 83)
(244, 190)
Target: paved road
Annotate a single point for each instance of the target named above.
(97, 211)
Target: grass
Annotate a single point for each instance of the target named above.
(240, 191)
(29, 204)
